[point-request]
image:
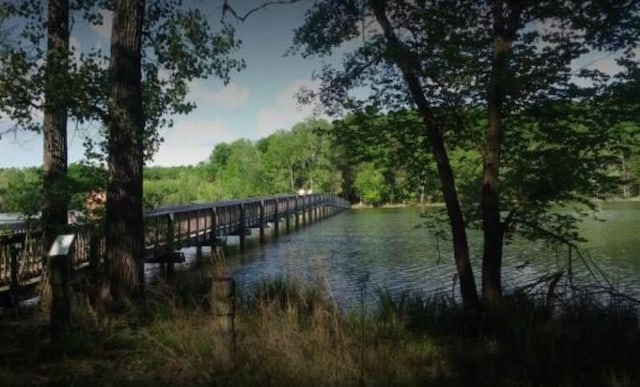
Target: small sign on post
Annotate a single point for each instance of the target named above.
(60, 272)
(62, 244)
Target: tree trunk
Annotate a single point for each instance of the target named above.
(432, 131)
(125, 228)
(54, 128)
(505, 27)
(54, 204)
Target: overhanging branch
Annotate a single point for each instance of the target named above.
(226, 8)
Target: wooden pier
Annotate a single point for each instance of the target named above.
(167, 230)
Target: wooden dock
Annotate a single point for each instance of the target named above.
(167, 230)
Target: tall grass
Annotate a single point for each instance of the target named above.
(289, 334)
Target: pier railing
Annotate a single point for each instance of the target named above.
(167, 229)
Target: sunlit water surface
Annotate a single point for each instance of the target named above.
(387, 249)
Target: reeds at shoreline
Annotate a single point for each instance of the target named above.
(284, 333)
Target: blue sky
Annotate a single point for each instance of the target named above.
(258, 101)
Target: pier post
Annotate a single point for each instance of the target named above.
(297, 212)
(170, 244)
(213, 233)
(305, 208)
(315, 208)
(242, 227)
(199, 254)
(276, 223)
(14, 287)
(262, 222)
(287, 216)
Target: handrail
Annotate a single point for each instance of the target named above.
(168, 229)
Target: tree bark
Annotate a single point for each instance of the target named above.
(54, 204)
(504, 30)
(407, 65)
(125, 228)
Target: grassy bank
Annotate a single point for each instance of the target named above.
(285, 334)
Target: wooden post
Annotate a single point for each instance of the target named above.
(14, 287)
(189, 219)
(287, 216)
(262, 222)
(170, 244)
(304, 210)
(59, 262)
(314, 209)
(198, 254)
(242, 228)
(94, 252)
(296, 211)
(276, 217)
(213, 233)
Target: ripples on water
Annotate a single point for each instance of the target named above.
(383, 249)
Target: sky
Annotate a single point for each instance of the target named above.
(258, 101)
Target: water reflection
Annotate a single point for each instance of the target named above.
(384, 247)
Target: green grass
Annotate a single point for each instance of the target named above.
(288, 334)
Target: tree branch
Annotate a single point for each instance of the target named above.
(241, 18)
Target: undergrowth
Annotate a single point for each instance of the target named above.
(284, 333)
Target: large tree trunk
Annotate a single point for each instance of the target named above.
(433, 132)
(125, 229)
(504, 29)
(54, 205)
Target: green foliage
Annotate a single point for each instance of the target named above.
(178, 185)
(300, 158)
(179, 45)
(561, 143)
(369, 183)
(20, 191)
(83, 178)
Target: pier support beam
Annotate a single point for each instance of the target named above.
(170, 244)
(276, 223)
(296, 211)
(243, 227)
(262, 222)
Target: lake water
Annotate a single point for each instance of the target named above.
(385, 248)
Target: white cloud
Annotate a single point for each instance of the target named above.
(230, 97)
(75, 47)
(191, 141)
(285, 111)
(104, 30)
(74, 43)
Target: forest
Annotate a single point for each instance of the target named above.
(477, 106)
(372, 160)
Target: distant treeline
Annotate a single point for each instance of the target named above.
(374, 159)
